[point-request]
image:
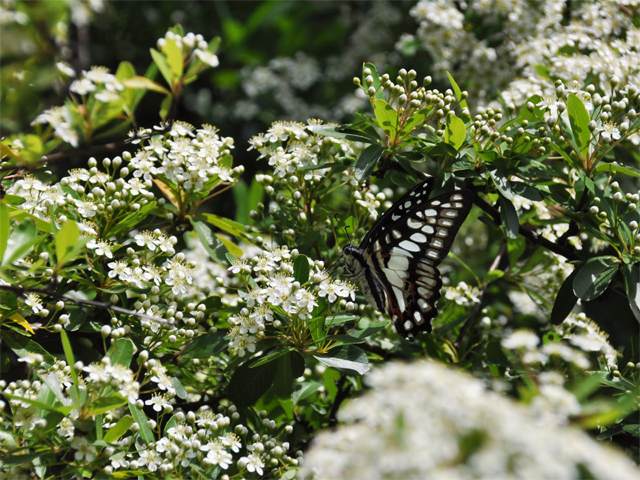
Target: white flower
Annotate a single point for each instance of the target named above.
(158, 401)
(83, 86)
(101, 248)
(521, 339)
(207, 57)
(217, 453)
(33, 301)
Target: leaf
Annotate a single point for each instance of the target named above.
(457, 91)
(20, 320)
(565, 300)
(340, 319)
(502, 184)
(594, 277)
(632, 286)
(232, 248)
(131, 220)
(144, 83)
(301, 269)
(205, 346)
(121, 352)
(210, 242)
(526, 191)
(376, 80)
(274, 354)
(387, 119)
(170, 424)
(71, 361)
(4, 229)
(118, 429)
(106, 404)
(304, 390)
(179, 388)
(342, 133)
(161, 62)
(166, 190)
(20, 242)
(509, 218)
(248, 384)
(367, 162)
(347, 359)
(141, 419)
(610, 167)
(455, 131)
(174, 60)
(579, 119)
(22, 346)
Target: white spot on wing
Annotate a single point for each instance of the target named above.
(450, 213)
(430, 212)
(396, 234)
(418, 317)
(397, 262)
(445, 223)
(428, 229)
(400, 297)
(407, 245)
(432, 253)
(401, 251)
(418, 237)
(408, 325)
(456, 196)
(394, 217)
(407, 204)
(435, 242)
(435, 203)
(393, 277)
(413, 224)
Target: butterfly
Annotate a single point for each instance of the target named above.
(395, 266)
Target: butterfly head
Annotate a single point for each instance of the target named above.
(353, 260)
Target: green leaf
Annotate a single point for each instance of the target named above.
(342, 133)
(565, 300)
(632, 286)
(165, 106)
(274, 354)
(205, 346)
(132, 220)
(121, 352)
(248, 384)
(4, 229)
(118, 429)
(301, 269)
(412, 123)
(387, 119)
(22, 240)
(610, 167)
(22, 346)
(372, 329)
(367, 162)
(502, 184)
(340, 319)
(457, 91)
(376, 80)
(579, 119)
(347, 359)
(106, 404)
(304, 390)
(509, 218)
(525, 190)
(455, 131)
(144, 83)
(594, 277)
(170, 424)
(179, 388)
(161, 62)
(141, 419)
(71, 361)
(231, 247)
(174, 59)
(210, 242)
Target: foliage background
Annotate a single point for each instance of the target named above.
(292, 61)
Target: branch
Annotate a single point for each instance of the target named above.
(531, 235)
(77, 301)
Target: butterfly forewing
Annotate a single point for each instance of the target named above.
(403, 249)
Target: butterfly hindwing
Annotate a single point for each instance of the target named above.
(403, 249)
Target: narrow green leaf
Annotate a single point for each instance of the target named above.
(174, 59)
(610, 167)
(106, 404)
(179, 388)
(118, 429)
(565, 300)
(502, 184)
(347, 359)
(145, 84)
(457, 91)
(22, 241)
(161, 62)
(632, 286)
(304, 390)
(526, 191)
(579, 119)
(4, 229)
(170, 424)
(23, 346)
(376, 79)
(367, 162)
(141, 419)
(210, 242)
(387, 119)
(30, 401)
(205, 346)
(131, 220)
(248, 384)
(71, 361)
(455, 132)
(301, 269)
(594, 277)
(342, 133)
(509, 218)
(121, 352)
(231, 247)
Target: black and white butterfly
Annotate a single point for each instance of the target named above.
(395, 265)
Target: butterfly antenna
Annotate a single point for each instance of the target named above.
(344, 229)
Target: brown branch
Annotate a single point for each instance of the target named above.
(103, 305)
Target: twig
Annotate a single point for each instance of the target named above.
(344, 389)
(77, 301)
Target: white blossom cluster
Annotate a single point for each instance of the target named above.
(425, 420)
(528, 38)
(462, 294)
(191, 45)
(273, 285)
(187, 157)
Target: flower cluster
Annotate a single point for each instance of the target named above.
(424, 407)
(275, 299)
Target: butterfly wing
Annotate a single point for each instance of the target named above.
(404, 248)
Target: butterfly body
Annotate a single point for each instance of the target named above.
(395, 266)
